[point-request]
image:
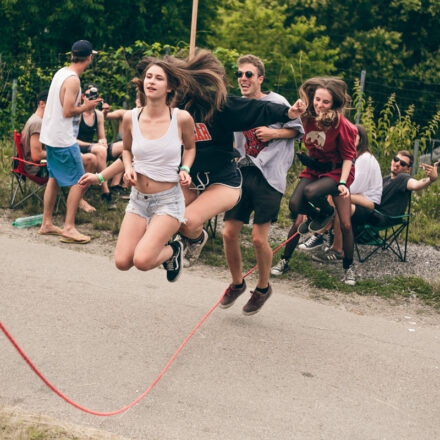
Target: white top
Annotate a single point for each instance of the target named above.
(158, 159)
(367, 178)
(56, 130)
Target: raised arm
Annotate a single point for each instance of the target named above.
(432, 175)
(68, 95)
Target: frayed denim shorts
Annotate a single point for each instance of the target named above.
(169, 202)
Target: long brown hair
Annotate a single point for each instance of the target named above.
(336, 87)
(363, 146)
(199, 84)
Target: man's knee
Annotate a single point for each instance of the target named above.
(230, 234)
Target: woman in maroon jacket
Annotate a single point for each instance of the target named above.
(330, 140)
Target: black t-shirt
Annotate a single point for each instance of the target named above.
(395, 195)
(215, 139)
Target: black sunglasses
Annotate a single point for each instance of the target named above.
(402, 162)
(248, 73)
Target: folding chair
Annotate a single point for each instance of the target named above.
(384, 237)
(23, 184)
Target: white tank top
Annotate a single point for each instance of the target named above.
(56, 130)
(158, 159)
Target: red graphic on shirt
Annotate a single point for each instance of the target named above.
(201, 132)
(253, 144)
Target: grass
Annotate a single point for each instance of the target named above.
(425, 228)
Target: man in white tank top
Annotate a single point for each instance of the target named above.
(59, 133)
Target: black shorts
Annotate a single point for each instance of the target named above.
(361, 216)
(85, 149)
(257, 196)
(228, 175)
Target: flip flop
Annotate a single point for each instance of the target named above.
(58, 231)
(75, 240)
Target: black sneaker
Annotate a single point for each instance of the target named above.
(321, 221)
(316, 241)
(173, 266)
(231, 294)
(256, 301)
(303, 228)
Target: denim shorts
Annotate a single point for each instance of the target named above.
(229, 176)
(169, 202)
(65, 164)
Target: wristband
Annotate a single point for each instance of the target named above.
(342, 182)
(99, 176)
(185, 168)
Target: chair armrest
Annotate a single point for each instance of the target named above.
(29, 163)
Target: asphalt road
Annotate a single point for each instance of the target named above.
(297, 370)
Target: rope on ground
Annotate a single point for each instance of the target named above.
(125, 408)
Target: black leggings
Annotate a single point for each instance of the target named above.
(310, 192)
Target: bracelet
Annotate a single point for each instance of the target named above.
(185, 168)
(342, 182)
(99, 176)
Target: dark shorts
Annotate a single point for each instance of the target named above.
(229, 175)
(257, 196)
(85, 148)
(110, 151)
(361, 216)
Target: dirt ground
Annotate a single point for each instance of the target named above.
(396, 310)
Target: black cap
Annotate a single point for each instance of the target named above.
(82, 48)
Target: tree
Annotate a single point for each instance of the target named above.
(291, 53)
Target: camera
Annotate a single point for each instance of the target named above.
(92, 93)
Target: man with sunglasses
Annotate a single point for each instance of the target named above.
(266, 154)
(396, 191)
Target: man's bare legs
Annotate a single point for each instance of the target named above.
(50, 197)
(69, 231)
(231, 245)
(263, 251)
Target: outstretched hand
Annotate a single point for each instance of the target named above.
(431, 171)
(297, 109)
(88, 179)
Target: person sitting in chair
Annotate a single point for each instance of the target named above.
(396, 192)
(33, 149)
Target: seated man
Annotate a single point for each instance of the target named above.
(33, 149)
(92, 123)
(396, 193)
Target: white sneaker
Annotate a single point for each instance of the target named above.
(193, 250)
(349, 276)
(280, 268)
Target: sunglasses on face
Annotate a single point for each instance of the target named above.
(402, 162)
(248, 74)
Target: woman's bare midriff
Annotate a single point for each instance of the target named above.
(145, 185)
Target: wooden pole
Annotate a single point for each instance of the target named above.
(192, 41)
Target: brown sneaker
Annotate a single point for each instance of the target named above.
(256, 301)
(231, 294)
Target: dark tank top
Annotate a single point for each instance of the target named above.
(86, 133)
